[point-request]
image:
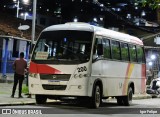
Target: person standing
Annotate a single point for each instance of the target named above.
(19, 65)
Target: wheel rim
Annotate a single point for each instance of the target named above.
(97, 96)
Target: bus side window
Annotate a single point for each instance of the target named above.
(140, 54)
(98, 49)
(115, 50)
(107, 48)
(132, 51)
(124, 52)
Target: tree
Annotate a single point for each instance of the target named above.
(151, 3)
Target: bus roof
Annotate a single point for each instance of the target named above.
(97, 30)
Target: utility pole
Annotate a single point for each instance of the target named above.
(33, 22)
(17, 8)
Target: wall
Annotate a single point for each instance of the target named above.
(15, 46)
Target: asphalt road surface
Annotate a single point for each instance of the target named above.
(139, 108)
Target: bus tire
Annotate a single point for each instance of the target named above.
(120, 100)
(127, 100)
(40, 99)
(96, 97)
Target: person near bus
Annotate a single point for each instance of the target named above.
(20, 66)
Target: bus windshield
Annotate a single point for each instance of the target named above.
(63, 46)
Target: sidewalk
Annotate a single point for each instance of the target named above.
(6, 84)
(6, 100)
(6, 89)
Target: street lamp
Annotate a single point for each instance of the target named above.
(24, 15)
(143, 13)
(75, 19)
(95, 19)
(153, 57)
(25, 2)
(150, 63)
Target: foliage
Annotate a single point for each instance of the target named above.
(116, 52)
(25, 89)
(107, 52)
(154, 4)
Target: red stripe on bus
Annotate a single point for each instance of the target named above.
(143, 79)
(42, 69)
(45, 69)
(33, 67)
(125, 81)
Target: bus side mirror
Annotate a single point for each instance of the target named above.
(100, 49)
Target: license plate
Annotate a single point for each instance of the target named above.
(53, 82)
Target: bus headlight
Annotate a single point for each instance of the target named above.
(34, 75)
(86, 75)
(75, 76)
(80, 75)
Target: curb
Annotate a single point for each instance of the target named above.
(142, 97)
(18, 103)
(33, 102)
(23, 103)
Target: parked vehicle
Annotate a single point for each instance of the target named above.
(86, 63)
(154, 88)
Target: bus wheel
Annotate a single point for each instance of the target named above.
(120, 100)
(128, 99)
(96, 98)
(40, 99)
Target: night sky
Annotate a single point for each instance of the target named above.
(84, 9)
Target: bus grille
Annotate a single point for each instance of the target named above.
(54, 87)
(60, 77)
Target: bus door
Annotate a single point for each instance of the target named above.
(97, 56)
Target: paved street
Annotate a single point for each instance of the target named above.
(108, 109)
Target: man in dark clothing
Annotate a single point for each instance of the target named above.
(19, 65)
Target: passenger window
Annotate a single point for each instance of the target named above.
(124, 52)
(140, 54)
(132, 51)
(107, 49)
(115, 50)
(95, 49)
